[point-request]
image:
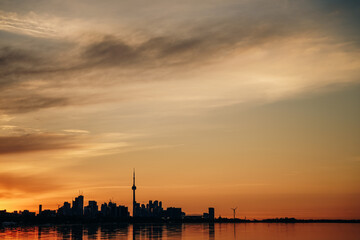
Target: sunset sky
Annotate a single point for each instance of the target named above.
(252, 104)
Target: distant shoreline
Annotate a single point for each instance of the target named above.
(56, 222)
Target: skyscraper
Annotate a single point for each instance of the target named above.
(134, 188)
(91, 210)
(78, 206)
(211, 214)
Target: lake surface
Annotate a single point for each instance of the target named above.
(247, 231)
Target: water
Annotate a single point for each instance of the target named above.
(248, 231)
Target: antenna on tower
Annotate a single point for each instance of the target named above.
(134, 176)
(234, 210)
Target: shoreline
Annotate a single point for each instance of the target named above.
(6, 224)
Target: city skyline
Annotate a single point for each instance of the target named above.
(78, 211)
(151, 212)
(233, 103)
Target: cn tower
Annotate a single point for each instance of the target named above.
(134, 188)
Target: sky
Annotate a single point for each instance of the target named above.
(249, 104)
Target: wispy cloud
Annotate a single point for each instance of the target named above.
(79, 131)
(31, 24)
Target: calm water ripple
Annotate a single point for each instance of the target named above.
(247, 231)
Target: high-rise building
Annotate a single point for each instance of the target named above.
(211, 214)
(91, 210)
(123, 212)
(78, 206)
(65, 210)
(40, 209)
(104, 209)
(111, 210)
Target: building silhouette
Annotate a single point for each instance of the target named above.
(111, 210)
(173, 213)
(91, 210)
(78, 206)
(65, 210)
(211, 213)
(150, 210)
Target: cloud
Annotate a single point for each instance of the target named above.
(30, 102)
(30, 24)
(188, 47)
(27, 78)
(13, 62)
(23, 69)
(12, 184)
(5, 118)
(34, 142)
(76, 131)
(9, 57)
(178, 47)
(75, 143)
(201, 44)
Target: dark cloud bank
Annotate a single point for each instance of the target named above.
(198, 44)
(36, 142)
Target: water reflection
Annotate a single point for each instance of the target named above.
(77, 232)
(146, 231)
(63, 232)
(211, 231)
(91, 231)
(185, 231)
(174, 231)
(116, 231)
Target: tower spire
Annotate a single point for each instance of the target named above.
(134, 188)
(134, 177)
